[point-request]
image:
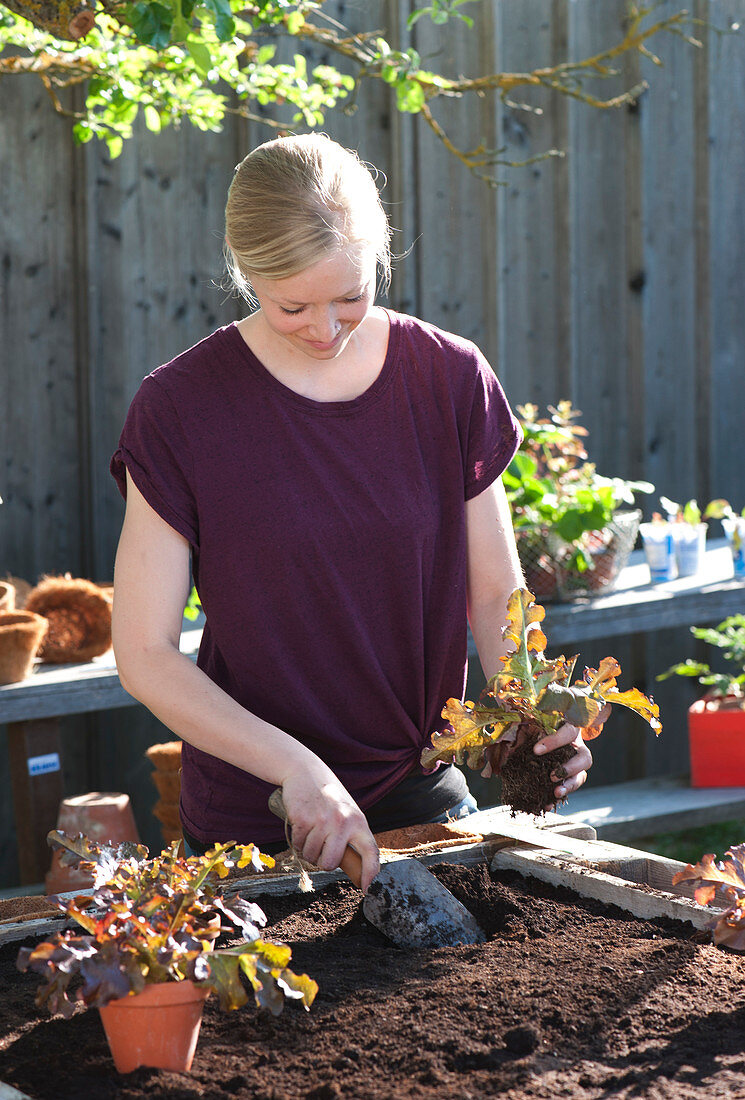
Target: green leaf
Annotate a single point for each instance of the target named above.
(410, 97)
(295, 22)
(152, 119)
(200, 55)
(152, 23)
(115, 144)
(223, 18)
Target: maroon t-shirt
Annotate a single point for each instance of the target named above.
(328, 548)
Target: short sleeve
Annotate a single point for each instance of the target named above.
(494, 433)
(156, 450)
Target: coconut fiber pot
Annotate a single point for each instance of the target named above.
(158, 1027)
(79, 615)
(21, 633)
(717, 745)
(7, 596)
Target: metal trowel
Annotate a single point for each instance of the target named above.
(405, 902)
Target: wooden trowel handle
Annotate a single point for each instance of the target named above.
(350, 864)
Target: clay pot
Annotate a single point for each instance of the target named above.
(7, 596)
(158, 1027)
(21, 634)
(79, 615)
(105, 817)
(716, 738)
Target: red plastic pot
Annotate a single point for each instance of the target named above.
(717, 745)
(158, 1027)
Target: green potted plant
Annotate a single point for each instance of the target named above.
(146, 956)
(574, 528)
(528, 698)
(716, 722)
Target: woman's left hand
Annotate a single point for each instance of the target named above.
(570, 776)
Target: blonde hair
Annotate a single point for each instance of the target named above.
(295, 200)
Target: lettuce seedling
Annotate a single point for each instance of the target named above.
(155, 920)
(727, 879)
(532, 690)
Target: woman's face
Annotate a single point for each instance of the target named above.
(317, 310)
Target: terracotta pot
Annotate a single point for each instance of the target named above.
(105, 817)
(7, 596)
(717, 745)
(158, 1027)
(21, 634)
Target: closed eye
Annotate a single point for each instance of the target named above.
(347, 301)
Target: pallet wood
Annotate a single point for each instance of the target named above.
(593, 881)
(36, 797)
(532, 279)
(635, 881)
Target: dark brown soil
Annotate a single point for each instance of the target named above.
(567, 999)
(527, 785)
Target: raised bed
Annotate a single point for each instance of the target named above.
(569, 997)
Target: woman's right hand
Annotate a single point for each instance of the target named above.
(325, 819)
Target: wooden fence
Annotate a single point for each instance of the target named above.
(613, 277)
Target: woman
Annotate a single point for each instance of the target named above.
(330, 472)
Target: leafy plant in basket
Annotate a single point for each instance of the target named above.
(716, 722)
(149, 927)
(528, 698)
(574, 528)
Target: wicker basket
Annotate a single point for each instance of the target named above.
(546, 559)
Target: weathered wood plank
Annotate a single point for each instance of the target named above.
(727, 252)
(607, 888)
(599, 248)
(54, 690)
(154, 262)
(39, 462)
(667, 280)
(635, 605)
(531, 275)
(454, 210)
(34, 754)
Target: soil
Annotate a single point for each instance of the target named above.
(527, 785)
(568, 998)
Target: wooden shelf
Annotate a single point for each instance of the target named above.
(635, 606)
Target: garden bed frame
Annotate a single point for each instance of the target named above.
(554, 849)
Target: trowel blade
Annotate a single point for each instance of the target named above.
(414, 909)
